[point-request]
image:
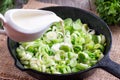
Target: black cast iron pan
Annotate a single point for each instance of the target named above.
(95, 23)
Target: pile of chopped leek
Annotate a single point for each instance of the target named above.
(56, 52)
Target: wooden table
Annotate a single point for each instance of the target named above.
(9, 72)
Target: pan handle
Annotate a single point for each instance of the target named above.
(110, 66)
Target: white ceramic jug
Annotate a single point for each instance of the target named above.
(23, 25)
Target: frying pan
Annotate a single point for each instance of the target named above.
(93, 22)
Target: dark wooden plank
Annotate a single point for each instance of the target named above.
(85, 4)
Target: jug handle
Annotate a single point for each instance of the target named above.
(2, 19)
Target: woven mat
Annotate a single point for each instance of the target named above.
(9, 72)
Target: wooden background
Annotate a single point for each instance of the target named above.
(86, 4)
